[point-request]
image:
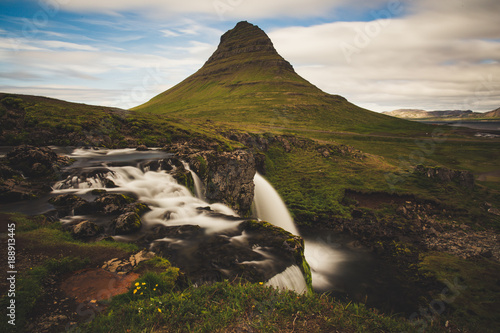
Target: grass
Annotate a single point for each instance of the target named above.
(45, 121)
(30, 287)
(473, 293)
(259, 88)
(54, 253)
(226, 306)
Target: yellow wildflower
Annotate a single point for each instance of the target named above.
(159, 310)
(143, 283)
(135, 291)
(136, 284)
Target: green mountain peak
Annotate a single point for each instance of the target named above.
(246, 82)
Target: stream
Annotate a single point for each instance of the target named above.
(338, 265)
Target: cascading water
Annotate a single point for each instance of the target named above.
(335, 265)
(160, 192)
(198, 186)
(270, 207)
(173, 205)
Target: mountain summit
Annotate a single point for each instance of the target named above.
(246, 81)
(250, 40)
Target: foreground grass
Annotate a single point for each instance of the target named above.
(236, 307)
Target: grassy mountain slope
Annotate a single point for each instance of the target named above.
(246, 82)
(26, 119)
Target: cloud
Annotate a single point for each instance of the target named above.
(54, 44)
(437, 57)
(169, 33)
(222, 9)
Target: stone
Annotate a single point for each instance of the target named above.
(35, 161)
(462, 177)
(86, 229)
(127, 223)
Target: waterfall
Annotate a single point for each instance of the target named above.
(171, 204)
(270, 207)
(291, 278)
(198, 186)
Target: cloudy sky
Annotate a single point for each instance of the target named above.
(381, 55)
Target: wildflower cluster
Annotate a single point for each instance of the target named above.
(141, 288)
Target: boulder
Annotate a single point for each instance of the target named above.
(70, 204)
(127, 223)
(35, 161)
(461, 177)
(86, 229)
(113, 203)
(253, 251)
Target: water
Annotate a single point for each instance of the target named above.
(291, 278)
(339, 265)
(198, 186)
(478, 125)
(270, 207)
(171, 204)
(174, 205)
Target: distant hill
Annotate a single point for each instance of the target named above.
(492, 114)
(246, 82)
(422, 114)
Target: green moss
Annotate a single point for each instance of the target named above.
(472, 291)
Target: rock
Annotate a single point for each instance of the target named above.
(141, 256)
(229, 180)
(253, 251)
(6, 172)
(116, 265)
(494, 211)
(112, 203)
(35, 161)
(142, 148)
(127, 223)
(86, 229)
(462, 177)
(70, 204)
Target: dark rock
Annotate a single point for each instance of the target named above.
(86, 229)
(230, 180)
(462, 177)
(127, 223)
(35, 161)
(113, 203)
(263, 251)
(7, 172)
(142, 148)
(70, 204)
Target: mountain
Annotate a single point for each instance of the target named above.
(418, 114)
(421, 114)
(408, 113)
(246, 82)
(492, 114)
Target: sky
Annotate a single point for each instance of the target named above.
(381, 54)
